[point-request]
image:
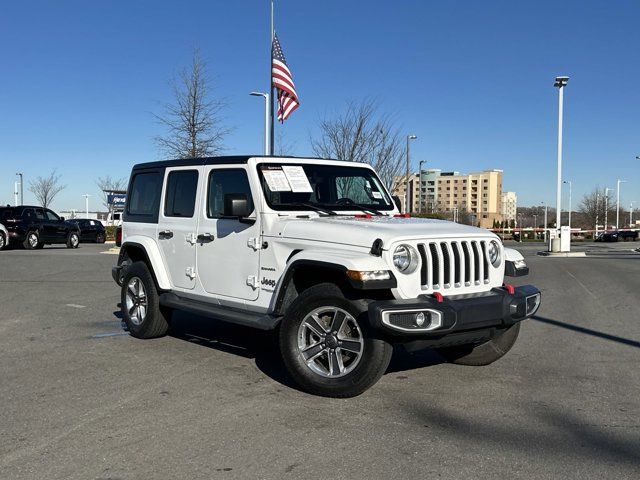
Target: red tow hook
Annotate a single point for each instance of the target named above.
(438, 296)
(363, 215)
(511, 290)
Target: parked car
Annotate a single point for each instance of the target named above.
(318, 250)
(34, 227)
(90, 230)
(618, 235)
(4, 236)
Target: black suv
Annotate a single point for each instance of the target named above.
(90, 230)
(36, 227)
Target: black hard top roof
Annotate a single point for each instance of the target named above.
(223, 160)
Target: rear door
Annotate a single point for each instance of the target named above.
(56, 230)
(177, 224)
(228, 254)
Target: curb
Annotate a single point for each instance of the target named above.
(562, 254)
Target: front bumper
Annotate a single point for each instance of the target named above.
(455, 319)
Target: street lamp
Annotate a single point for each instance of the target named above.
(21, 189)
(618, 204)
(86, 203)
(606, 208)
(266, 120)
(560, 83)
(630, 214)
(407, 208)
(570, 185)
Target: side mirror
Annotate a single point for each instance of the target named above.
(396, 200)
(62, 219)
(236, 205)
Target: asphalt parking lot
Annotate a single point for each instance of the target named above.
(80, 399)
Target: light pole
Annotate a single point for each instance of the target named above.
(86, 204)
(267, 148)
(618, 204)
(560, 83)
(606, 208)
(570, 185)
(407, 207)
(21, 188)
(595, 234)
(546, 207)
(630, 214)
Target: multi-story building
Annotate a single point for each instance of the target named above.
(476, 194)
(509, 205)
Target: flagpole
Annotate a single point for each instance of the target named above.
(272, 96)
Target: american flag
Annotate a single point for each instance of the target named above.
(283, 81)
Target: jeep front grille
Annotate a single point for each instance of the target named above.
(453, 264)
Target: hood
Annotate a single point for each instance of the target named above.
(363, 231)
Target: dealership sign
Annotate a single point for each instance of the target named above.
(116, 199)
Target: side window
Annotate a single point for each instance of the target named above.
(40, 214)
(223, 182)
(145, 194)
(180, 196)
(52, 217)
(28, 214)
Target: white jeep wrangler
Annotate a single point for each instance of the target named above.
(319, 250)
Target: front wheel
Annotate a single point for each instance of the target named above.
(73, 240)
(327, 347)
(3, 240)
(100, 238)
(140, 303)
(484, 353)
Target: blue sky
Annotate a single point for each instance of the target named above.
(472, 79)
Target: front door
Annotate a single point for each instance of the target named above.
(177, 224)
(228, 253)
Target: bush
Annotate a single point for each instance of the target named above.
(110, 232)
(437, 216)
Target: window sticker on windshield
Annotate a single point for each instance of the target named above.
(297, 178)
(377, 195)
(276, 180)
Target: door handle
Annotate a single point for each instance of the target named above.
(205, 237)
(165, 234)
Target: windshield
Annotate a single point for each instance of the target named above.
(340, 188)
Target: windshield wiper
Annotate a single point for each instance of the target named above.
(313, 206)
(364, 208)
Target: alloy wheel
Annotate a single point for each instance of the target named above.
(136, 301)
(330, 342)
(33, 240)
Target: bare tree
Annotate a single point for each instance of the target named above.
(46, 188)
(194, 123)
(360, 134)
(108, 183)
(283, 146)
(592, 206)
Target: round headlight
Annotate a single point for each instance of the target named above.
(494, 253)
(405, 258)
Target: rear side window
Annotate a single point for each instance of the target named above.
(144, 197)
(222, 182)
(180, 197)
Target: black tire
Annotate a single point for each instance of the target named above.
(32, 240)
(73, 240)
(155, 322)
(3, 240)
(100, 238)
(375, 352)
(484, 353)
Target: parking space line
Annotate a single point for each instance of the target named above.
(75, 305)
(112, 334)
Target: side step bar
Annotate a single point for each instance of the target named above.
(248, 319)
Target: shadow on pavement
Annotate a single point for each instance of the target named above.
(588, 331)
(558, 434)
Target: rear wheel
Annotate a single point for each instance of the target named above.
(140, 303)
(3, 240)
(32, 241)
(327, 347)
(484, 353)
(73, 240)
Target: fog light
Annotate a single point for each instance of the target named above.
(420, 319)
